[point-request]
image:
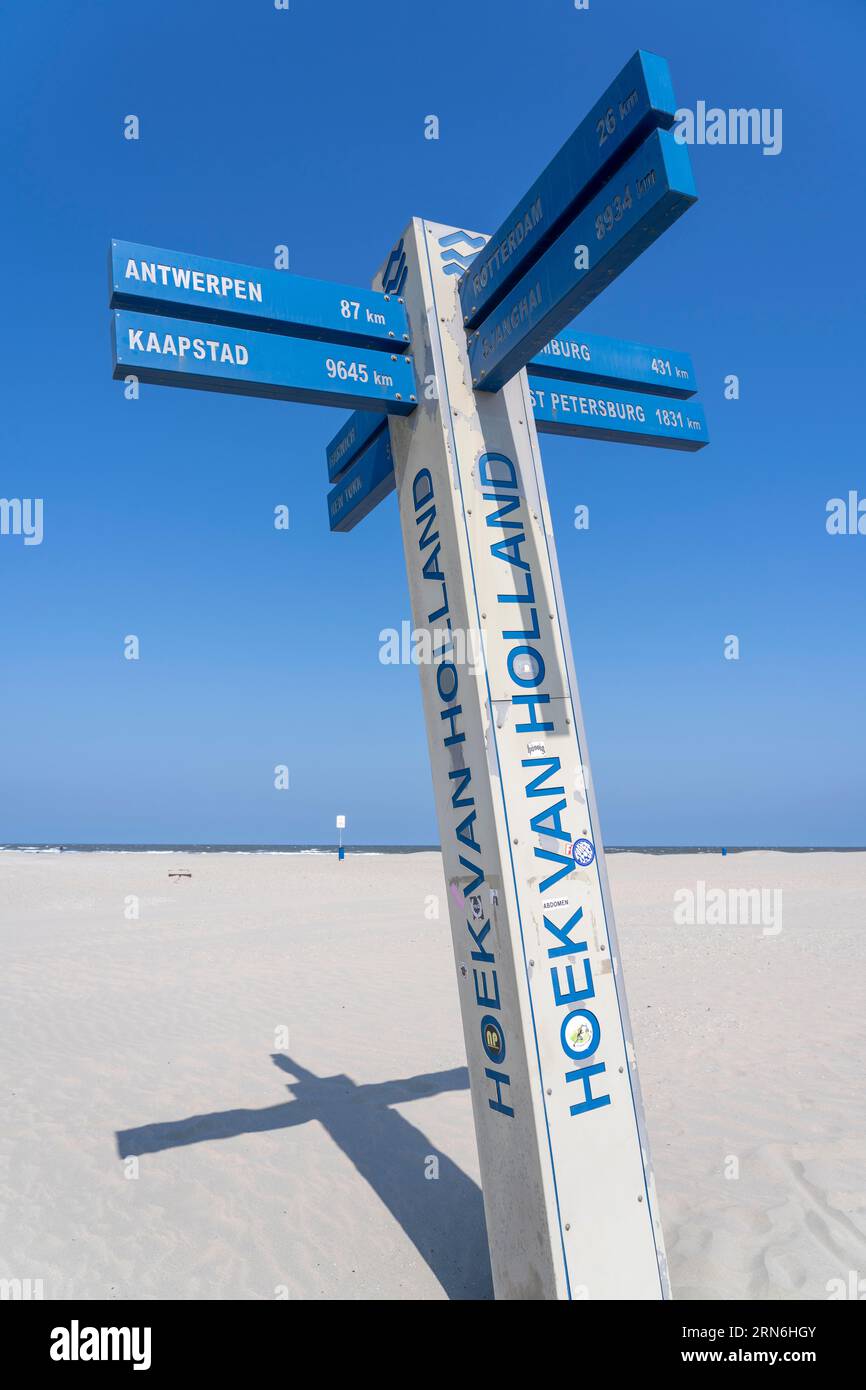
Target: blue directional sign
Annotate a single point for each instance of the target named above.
(598, 412)
(358, 431)
(370, 478)
(642, 199)
(212, 291)
(639, 100)
(608, 361)
(173, 352)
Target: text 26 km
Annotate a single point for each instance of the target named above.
(607, 123)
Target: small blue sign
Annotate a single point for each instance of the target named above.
(638, 100)
(598, 412)
(174, 352)
(608, 361)
(642, 199)
(213, 291)
(358, 431)
(370, 478)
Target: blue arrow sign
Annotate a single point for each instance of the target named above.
(651, 191)
(598, 412)
(370, 478)
(608, 361)
(640, 99)
(359, 430)
(172, 352)
(212, 291)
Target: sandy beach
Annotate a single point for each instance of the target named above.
(235, 1084)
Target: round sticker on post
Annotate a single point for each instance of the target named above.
(583, 853)
(492, 1039)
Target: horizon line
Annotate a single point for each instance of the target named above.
(216, 847)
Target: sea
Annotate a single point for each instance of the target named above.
(49, 848)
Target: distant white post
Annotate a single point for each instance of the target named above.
(568, 1189)
(341, 826)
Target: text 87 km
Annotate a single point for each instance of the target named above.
(350, 308)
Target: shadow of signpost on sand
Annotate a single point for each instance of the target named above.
(444, 1217)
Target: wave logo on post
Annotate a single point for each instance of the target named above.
(583, 853)
(454, 262)
(394, 276)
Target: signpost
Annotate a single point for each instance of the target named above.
(568, 1189)
(569, 1199)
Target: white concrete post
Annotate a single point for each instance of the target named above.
(568, 1190)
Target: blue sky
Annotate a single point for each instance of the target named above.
(260, 647)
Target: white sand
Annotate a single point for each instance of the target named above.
(311, 1180)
